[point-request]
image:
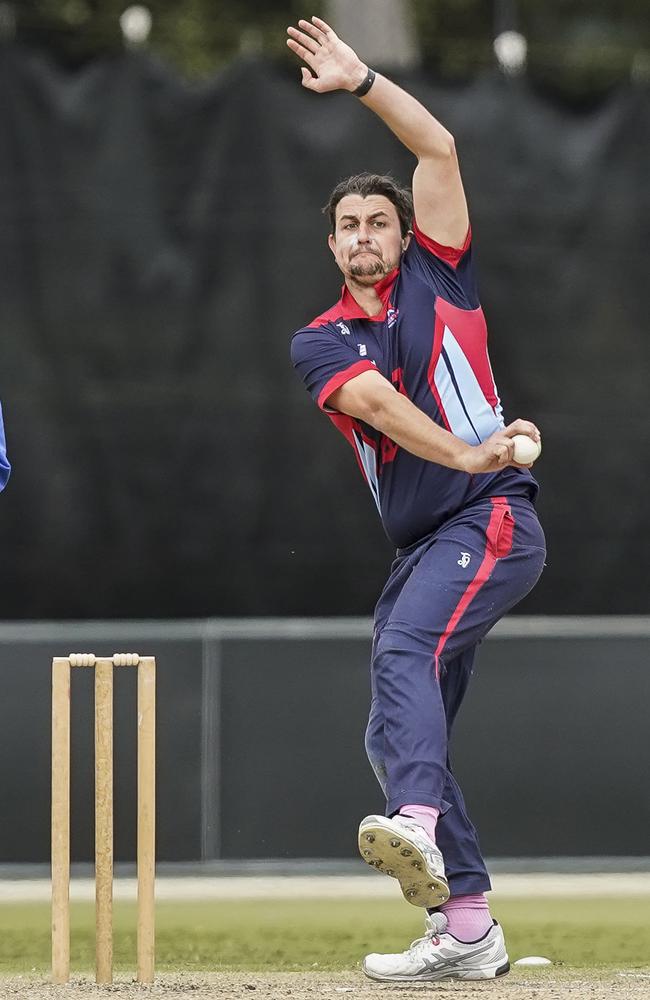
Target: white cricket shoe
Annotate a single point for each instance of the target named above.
(400, 847)
(439, 955)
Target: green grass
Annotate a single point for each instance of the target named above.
(326, 935)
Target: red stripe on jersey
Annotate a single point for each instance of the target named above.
(341, 378)
(347, 425)
(498, 544)
(451, 255)
(388, 448)
(470, 330)
(438, 330)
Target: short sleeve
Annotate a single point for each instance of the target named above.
(325, 363)
(449, 270)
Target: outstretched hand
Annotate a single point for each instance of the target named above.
(333, 64)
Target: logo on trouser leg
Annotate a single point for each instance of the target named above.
(464, 559)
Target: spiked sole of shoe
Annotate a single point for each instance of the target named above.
(473, 975)
(397, 856)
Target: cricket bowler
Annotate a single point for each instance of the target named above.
(401, 368)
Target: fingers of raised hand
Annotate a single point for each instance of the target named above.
(318, 29)
(309, 81)
(323, 26)
(302, 53)
(301, 43)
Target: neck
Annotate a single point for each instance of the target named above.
(365, 296)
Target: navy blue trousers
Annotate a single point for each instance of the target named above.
(442, 596)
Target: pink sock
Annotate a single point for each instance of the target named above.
(468, 917)
(427, 817)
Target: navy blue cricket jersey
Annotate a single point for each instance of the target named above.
(430, 342)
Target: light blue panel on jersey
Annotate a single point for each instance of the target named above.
(368, 459)
(468, 412)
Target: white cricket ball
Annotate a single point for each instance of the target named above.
(526, 450)
(533, 960)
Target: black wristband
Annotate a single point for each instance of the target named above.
(364, 87)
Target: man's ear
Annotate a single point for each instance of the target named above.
(406, 240)
(331, 242)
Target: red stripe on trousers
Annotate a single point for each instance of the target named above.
(498, 545)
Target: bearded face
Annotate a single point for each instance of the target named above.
(367, 243)
(366, 263)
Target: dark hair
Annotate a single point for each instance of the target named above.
(366, 184)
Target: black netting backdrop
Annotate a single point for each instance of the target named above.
(160, 243)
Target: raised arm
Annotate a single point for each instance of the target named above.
(438, 196)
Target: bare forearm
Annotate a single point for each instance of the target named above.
(371, 398)
(401, 421)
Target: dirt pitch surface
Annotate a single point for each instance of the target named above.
(547, 985)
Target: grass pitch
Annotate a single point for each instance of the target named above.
(326, 935)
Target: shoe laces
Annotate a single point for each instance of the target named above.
(436, 924)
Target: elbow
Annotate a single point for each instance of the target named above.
(448, 146)
(441, 148)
